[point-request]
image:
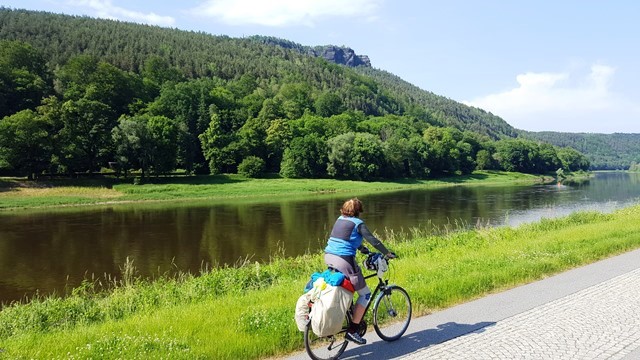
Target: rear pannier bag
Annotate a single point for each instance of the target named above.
(329, 309)
(333, 292)
(302, 311)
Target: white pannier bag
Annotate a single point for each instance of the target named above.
(329, 309)
(302, 311)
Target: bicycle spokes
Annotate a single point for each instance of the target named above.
(392, 313)
(326, 347)
(389, 305)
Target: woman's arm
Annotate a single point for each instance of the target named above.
(367, 235)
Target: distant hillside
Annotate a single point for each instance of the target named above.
(337, 54)
(79, 95)
(441, 111)
(605, 151)
(444, 110)
(198, 54)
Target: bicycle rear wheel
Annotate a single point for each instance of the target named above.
(391, 313)
(326, 347)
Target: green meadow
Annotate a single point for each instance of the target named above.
(19, 194)
(246, 312)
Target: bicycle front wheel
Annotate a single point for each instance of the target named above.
(325, 347)
(391, 313)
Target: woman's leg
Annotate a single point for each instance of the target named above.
(358, 313)
(364, 295)
(353, 273)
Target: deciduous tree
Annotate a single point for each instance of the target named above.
(26, 143)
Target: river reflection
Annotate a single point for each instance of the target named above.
(49, 251)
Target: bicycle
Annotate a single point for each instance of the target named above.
(391, 316)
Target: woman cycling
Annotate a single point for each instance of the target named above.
(340, 254)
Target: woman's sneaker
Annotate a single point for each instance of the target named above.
(356, 338)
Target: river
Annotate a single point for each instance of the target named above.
(53, 251)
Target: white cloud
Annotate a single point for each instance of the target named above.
(105, 9)
(564, 102)
(284, 12)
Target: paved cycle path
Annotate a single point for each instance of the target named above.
(592, 312)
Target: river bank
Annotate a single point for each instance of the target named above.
(247, 312)
(17, 194)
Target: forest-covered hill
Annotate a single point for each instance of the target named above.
(79, 94)
(442, 110)
(197, 54)
(605, 151)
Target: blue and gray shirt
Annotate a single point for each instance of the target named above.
(346, 237)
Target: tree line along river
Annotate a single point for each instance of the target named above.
(50, 251)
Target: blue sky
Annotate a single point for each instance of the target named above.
(569, 65)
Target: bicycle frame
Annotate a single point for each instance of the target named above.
(382, 284)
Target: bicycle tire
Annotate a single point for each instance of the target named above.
(325, 347)
(392, 313)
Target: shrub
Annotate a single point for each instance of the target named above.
(252, 166)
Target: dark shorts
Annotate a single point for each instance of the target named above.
(347, 266)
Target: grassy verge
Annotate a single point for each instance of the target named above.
(246, 312)
(16, 194)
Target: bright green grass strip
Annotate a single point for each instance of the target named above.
(48, 201)
(247, 313)
(235, 186)
(61, 193)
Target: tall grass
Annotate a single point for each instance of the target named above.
(246, 312)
